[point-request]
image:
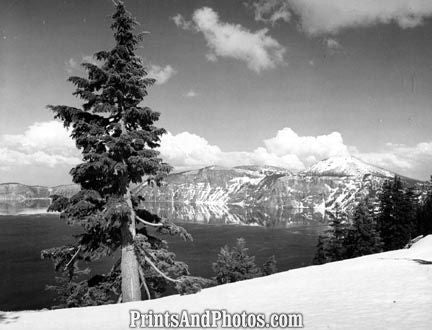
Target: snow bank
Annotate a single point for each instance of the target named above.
(383, 291)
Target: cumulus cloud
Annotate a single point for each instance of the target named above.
(161, 74)
(308, 148)
(48, 145)
(290, 150)
(259, 50)
(45, 143)
(286, 149)
(331, 16)
(406, 160)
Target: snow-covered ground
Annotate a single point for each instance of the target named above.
(391, 290)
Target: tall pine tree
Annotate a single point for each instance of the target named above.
(424, 213)
(363, 237)
(396, 217)
(330, 245)
(117, 137)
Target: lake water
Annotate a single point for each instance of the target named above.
(290, 236)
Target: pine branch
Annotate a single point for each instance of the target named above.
(73, 257)
(148, 223)
(144, 283)
(147, 259)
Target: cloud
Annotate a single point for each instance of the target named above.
(211, 57)
(188, 150)
(161, 74)
(90, 59)
(290, 150)
(191, 94)
(43, 143)
(47, 145)
(257, 49)
(180, 21)
(411, 161)
(271, 11)
(71, 65)
(309, 149)
(286, 149)
(331, 16)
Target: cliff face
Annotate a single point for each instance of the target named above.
(210, 185)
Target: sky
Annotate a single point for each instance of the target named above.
(276, 82)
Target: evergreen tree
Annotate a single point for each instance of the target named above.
(409, 209)
(338, 231)
(270, 266)
(117, 137)
(330, 245)
(235, 264)
(396, 217)
(321, 255)
(362, 237)
(424, 214)
(386, 213)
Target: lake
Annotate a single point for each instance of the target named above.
(289, 235)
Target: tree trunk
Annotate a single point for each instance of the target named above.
(130, 285)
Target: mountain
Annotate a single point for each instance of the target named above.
(21, 192)
(18, 191)
(346, 166)
(334, 181)
(209, 185)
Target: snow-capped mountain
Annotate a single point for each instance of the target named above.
(346, 166)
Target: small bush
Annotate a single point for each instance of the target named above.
(234, 264)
